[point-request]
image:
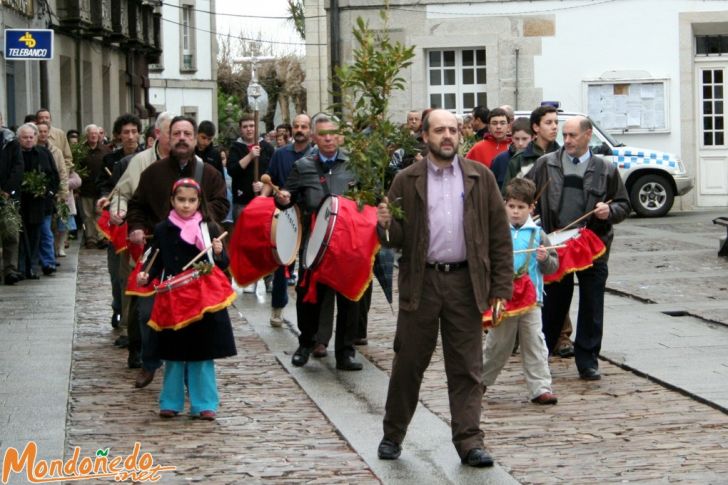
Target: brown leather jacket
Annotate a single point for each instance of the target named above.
(487, 233)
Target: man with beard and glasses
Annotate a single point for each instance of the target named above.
(279, 168)
(150, 203)
(456, 262)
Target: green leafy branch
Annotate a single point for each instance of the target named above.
(35, 183)
(10, 220)
(79, 152)
(367, 86)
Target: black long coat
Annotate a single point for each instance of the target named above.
(33, 209)
(209, 338)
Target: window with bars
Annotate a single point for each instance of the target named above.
(456, 79)
(713, 96)
(187, 37)
(711, 45)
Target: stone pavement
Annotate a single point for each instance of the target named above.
(314, 424)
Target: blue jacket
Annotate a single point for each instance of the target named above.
(521, 238)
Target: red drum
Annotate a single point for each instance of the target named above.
(116, 234)
(523, 300)
(582, 248)
(341, 247)
(185, 298)
(264, 238)
(132, 287)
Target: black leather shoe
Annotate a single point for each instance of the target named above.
(48, 270)
(388, 450)
(32, 276)
(478, 457)
(122, 341)
(348, 363)
(12, 278)
(565, 352)
(301, 355)
(115, 320)
(590, 374)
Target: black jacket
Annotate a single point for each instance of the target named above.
(11, 169)
(304, 182)
(32, 208)
(602, 183)
(209, 338)
(243, 178)
(211, 155)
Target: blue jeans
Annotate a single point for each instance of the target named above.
(47, 249)
(200, 384)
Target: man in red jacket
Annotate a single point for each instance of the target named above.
(495, 142)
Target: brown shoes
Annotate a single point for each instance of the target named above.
(319, 351)
(167, 413)
(144, 378)
(208, 415)
(545, 398)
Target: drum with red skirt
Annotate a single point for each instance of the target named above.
(186, 298)
(264, 238)
(116, 234)
(133, 288)
(341, 247)
(522, 301)
(581, 248)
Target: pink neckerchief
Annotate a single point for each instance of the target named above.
(190, 231)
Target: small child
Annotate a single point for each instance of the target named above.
(519, 198)
(188, 351)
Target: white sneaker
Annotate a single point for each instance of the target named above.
(61, 253)
(276, 317)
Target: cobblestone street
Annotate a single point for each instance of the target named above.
(657, 416)
(267, 427)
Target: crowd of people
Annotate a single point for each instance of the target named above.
(481, 193)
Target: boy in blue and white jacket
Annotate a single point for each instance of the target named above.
(526, 235)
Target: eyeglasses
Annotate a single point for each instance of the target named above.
(498, 123)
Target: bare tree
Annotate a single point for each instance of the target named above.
(282, 77)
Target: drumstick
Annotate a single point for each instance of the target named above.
(146, 236)
(108, 171)
(538, 196)
(151, 261)
(265, 179)
(202, 253)
(581, 218)
(558, 246)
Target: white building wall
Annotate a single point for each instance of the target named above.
(172, 88)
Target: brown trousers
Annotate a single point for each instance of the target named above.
(447, 305)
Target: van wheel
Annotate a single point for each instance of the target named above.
(651, 196)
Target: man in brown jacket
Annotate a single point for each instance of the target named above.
(150, 203)
(456, 262)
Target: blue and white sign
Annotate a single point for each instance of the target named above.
(28, 44)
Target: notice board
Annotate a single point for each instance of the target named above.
(629, 106)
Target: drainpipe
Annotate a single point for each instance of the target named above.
(334, 44)
(516, 90)
(79, 90)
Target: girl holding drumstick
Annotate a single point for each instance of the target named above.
(189, 350)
